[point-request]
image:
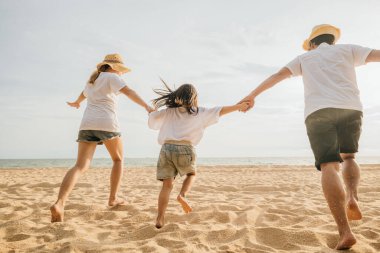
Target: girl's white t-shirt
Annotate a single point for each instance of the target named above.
(178, 125)
(102, 98)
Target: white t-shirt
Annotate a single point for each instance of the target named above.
(329, 76)
(100, 113)
(178, 125)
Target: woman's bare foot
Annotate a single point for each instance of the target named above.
(346, 241)
(185, 206)
(160, 222)
(117, 202)
(57, 213)
(353, 210)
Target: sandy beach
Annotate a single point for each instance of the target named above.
(236, 209)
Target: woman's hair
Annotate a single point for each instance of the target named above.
(96, 73)
(185, 96)
(328, 38)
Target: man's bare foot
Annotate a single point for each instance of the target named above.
(160, 222)
(346, 241)
(56, 213)
(185, 206)
(353, 210)
(117, 202)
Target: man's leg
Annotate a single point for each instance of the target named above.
(163, 200)
(85, 153)
(335, 197)
(351, 177)
(186, 186)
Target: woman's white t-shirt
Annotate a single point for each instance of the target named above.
(101, 110)
(178, 125)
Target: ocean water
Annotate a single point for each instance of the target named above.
(146, 162)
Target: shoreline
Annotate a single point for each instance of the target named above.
(231, 166)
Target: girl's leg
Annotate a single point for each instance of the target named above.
(115, 149)
(186, 186)
(85, 153)
(163, 200)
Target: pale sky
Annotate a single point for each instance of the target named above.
(225, 48)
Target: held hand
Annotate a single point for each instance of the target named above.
(250, 101)
(250, 106)
(149, 109)
(244, 106)
(73, 104)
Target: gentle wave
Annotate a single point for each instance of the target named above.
(145, 162)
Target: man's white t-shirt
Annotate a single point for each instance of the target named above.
(178, 125)
(329, 76)
(102, 98)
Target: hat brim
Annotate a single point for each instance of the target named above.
(322, 30)
(115, 66)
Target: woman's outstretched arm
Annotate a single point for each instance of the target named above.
(132, 95)
(77, 102)
(374, 56)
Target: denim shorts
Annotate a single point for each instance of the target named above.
(176, 159)
(97, 136)
(333, 131)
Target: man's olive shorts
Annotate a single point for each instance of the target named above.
(333, 131)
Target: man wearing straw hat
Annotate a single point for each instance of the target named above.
(333, 117)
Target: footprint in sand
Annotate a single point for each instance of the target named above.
(18, 237)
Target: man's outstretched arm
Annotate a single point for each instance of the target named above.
(266, 84)
(374, 56)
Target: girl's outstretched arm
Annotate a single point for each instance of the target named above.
(132, 95)
(239, 107)
(77, 102)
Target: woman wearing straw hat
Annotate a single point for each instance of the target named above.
(99, 125)
(333, 117)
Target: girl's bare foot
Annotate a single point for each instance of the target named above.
(185, 206)
(346, 241)
(56, 213)
(353, 210)
(117, 202)
(160, 222)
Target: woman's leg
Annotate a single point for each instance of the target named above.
(85, 153)
(186, 186)
(115, 149)
(163, 200)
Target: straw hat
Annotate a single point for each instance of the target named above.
(319, 30)
(116, 63)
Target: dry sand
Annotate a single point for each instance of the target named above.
(236, 209)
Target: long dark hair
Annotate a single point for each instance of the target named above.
(185, 96)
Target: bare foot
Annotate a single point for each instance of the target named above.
(346, 241)
(117, 202)
(353, 210)
(160, 222)
(185, 206)
(56, 213)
